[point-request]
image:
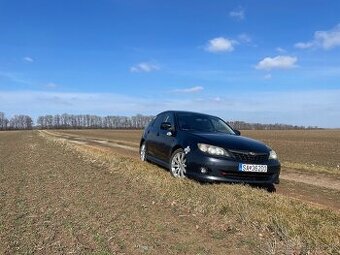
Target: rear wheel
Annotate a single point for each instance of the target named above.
(142, 152)
(178, 163)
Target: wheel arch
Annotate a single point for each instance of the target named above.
(141, 142)
(176, 147)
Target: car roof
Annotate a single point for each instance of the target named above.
(188, 112)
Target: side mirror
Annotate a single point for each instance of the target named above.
(166, 126)
(237, 132)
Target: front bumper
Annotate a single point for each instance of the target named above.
(227, 170)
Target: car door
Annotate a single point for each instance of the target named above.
(166, 138)
(153, 138)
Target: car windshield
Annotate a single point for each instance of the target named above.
(200, 122)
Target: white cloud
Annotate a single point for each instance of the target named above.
(28, 59)
(51, 85)
(328, 39)
(315, 107)
(217, 99)
(322, 39)
(244, 38)
(220, 44)
(15, 77)
(280, 50)
(267, 76)
(237, 14)
(48, 102)
(144, 67)
(190, 90)
(278, 62)
(302, 45)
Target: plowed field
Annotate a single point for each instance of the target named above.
(87, 193)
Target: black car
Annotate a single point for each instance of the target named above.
(205, 148)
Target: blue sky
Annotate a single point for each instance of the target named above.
(257, 61)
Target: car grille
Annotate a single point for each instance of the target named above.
(250, 157)
(242, 176)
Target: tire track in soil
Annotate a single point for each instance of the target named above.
(54, 201)
(318, 190)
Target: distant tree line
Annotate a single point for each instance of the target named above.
(241, 125)
(70, 121)
(87, 121)
(17, 122)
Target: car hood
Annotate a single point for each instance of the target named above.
(231, 142)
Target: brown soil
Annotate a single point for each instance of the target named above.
(313, 148)
(54, 201)
(318, 189)
(319, 180)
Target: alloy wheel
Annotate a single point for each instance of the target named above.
(143, 152)
(178, 164)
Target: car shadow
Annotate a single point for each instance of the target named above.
(268, 187)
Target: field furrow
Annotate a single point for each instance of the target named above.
(55, 201)
(69, 194)
(315, 187)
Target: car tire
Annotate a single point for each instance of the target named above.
(142, 152)
(271, 188)
(178, 164)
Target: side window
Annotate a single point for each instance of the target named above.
(169, 118)
(157, 122)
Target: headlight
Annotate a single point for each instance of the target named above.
(272, 155)
(212, 150)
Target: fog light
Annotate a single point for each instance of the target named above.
(204, 170)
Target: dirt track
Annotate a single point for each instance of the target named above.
(55, 199)
(70, 205)
(320, 190)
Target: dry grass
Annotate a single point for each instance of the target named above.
(314, 151)
(132, 136)
(266, 223)
(55, 200)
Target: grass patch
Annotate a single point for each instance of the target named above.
(311, 168)
(101, 253)
(267, 223)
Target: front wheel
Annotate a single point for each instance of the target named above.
(271, 188)
(178, 164)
